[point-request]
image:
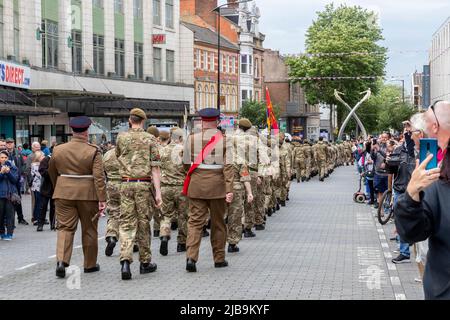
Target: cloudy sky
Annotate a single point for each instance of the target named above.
(408, 26)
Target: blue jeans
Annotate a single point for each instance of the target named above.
(37, 205)
(404, 247)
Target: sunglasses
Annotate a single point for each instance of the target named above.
(434, 112)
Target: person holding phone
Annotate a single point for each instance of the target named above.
(423, 211)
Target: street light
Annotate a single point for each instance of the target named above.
(403, 87)
(218, 46)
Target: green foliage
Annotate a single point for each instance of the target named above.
(256, 112)
(345, 29)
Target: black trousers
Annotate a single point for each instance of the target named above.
(19, 211)
(43, 213)
(371, 190)
(6, 216)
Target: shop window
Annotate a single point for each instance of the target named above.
(49, 44)
(99, 54)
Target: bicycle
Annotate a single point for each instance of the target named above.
(386, 207)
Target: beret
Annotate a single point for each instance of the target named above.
(138, 113)
(154, 131)
(245, 123)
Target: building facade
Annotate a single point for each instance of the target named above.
(297, 117)
(416, 90)
(440, 63)
(97, 58)
(246, 15)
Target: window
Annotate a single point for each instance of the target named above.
(199, 96)
(139, 60)
(49, 44)
(212, 68)
(197, 58)
(213, 97)
(224, 63)
(170, 66)
(118, 6)
(230, 65)
(16, 33)
(256, 69)
(202, 60)
(244, 95)
(1, 32)
(207, 99)
(77, 52)
(157, 12)
(157, 64)
(169, 14)
(119, 57)
(244, 65)
(97, 3)
(137, 9)
(233, 61)
(99, 54)
(250, 62)
(233, 99)
(205, 58)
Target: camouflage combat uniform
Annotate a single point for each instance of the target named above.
(137, 152)
(114, 179)
(175, 205)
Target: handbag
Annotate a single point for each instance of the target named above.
(15, 199)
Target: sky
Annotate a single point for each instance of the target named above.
(408, 27)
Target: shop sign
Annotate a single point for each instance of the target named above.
(159, 39)
(14, 75)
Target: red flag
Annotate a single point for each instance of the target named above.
(271, 119)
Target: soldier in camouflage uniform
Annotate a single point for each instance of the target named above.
(156, 214)
(285, 169)
(241, 187)
(175, 205)
(320, 154)
(309, 160)
(299, 160)
(290, 149)
(138, 154)
(112, 169)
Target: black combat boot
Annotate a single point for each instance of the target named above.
(156, 233)
(205, 232)
(174, 226)
(248, 233)
(278, 205)
(147, 267)
(222, 264)
(303, 179)
(61, 269)
(269, 212)
(260, 227)
(93, 269)
(126, 271)
(283, 203)
(233, 248)
(110, 246)
(135, 248)
(190, 265)
(181, 247)
(163, 248)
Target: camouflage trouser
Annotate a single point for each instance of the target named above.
(284, 187)
(274, 192)
(175, 207)
(267, 189)
(135, 212)
(157, 217)
(250, 208)
(113, 208)
(259, 202)
(300, 169)
(322, 168)
(308, 168)
(235, 214)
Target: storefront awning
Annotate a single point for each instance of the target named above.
(15, 109)
(79, 96)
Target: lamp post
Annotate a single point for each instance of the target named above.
(403, 87)
(218, 46)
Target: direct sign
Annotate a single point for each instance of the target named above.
(14, 75)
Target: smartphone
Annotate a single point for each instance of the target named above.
(427, 147)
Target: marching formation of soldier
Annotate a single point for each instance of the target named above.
(230, 181)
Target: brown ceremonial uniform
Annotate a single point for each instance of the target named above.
(210, 183)
(77, 174)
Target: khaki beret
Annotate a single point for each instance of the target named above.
(154, 131)
(138, 113)
(245, 123)
(164, 135)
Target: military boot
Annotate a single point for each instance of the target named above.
(126, 271)
(181, 247)
(61, 269)
(205, 232)
(283, 203)
(190, 265)
(269, 212)
(233, 248)
(110, 246)
(248, 233)
(260, 227)
(174, 226)
(147, 267)
(163, 248)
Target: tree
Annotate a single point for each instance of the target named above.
(256, 112)
(353, 33)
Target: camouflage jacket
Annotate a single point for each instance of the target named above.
(137, 152)
(172, 168)
(111, 166)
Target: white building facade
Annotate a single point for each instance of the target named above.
(440, 63)
(98, 58)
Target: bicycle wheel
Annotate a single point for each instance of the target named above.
(385, 209)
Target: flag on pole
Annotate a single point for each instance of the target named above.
(271, 119)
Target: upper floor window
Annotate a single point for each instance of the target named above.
(137, 9)
(169, 13)
(50, 44)
(97, 3)
(118, 6)
(157, 12)
(246, 64)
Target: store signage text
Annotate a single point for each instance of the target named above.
(159, 39)
(14, 75)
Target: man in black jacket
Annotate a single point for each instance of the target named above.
(16, 160)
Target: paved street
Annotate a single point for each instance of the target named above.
(321, 246)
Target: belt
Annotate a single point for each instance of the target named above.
(210, 166)
(77, 176)
(125, 179)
